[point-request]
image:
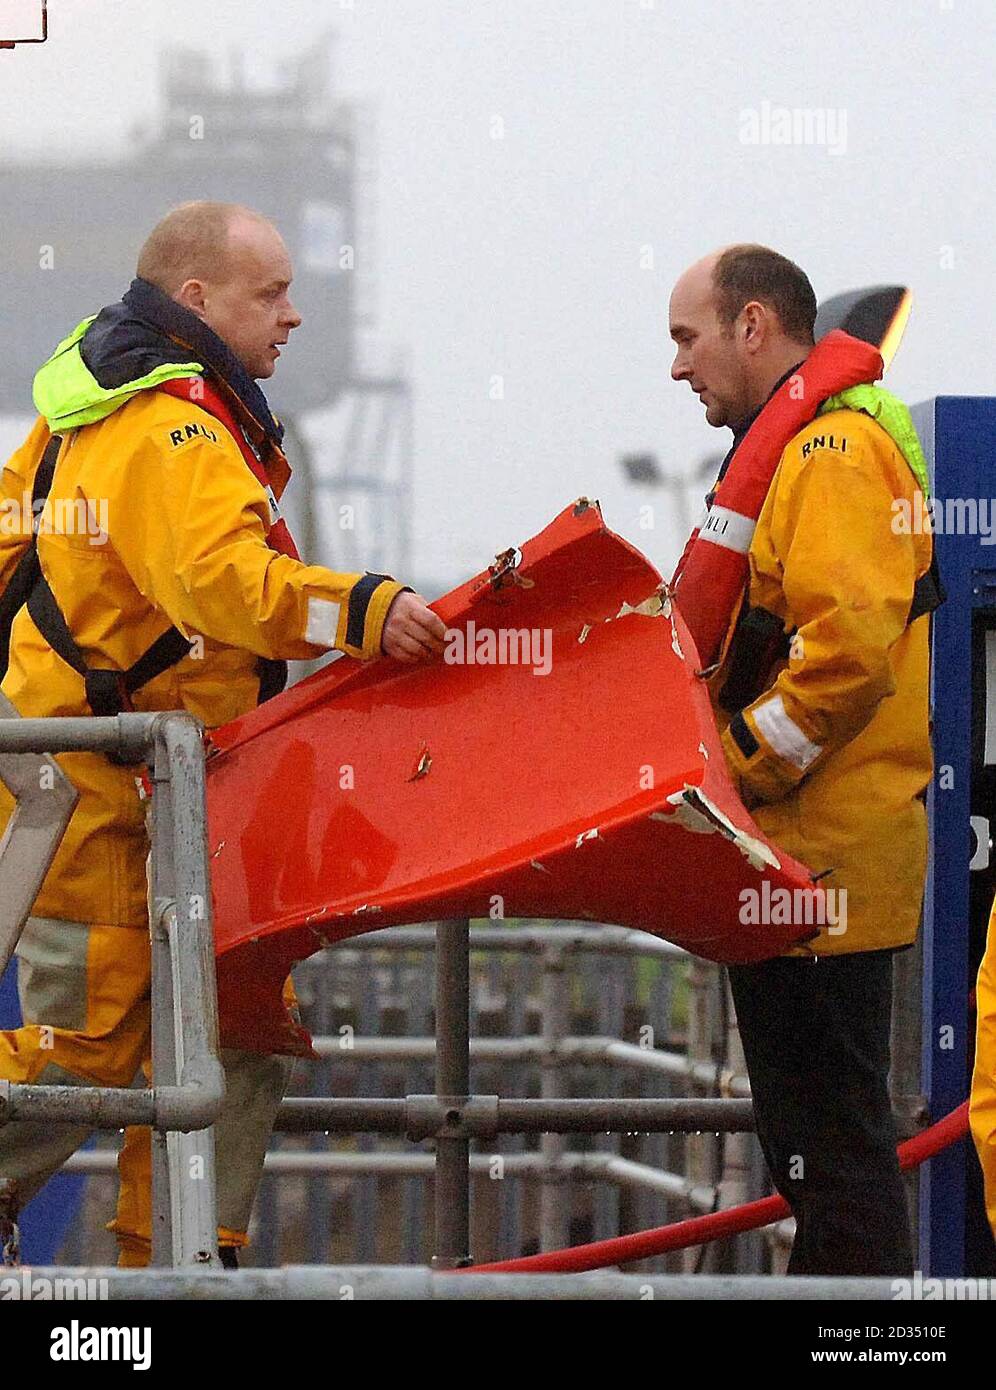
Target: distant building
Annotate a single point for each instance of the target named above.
(69, 241)
(70, 233)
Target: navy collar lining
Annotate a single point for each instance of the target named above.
(164, 314)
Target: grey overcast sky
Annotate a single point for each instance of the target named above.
(548, 167)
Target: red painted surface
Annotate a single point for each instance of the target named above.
(476, 783)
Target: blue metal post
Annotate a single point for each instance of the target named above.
(958, 434)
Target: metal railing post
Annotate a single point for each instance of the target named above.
(452, 1190)
(737, 1149)
(189, 1086)
(184, 995)
(701, 1030)
(555, 1196)
(164, 1067)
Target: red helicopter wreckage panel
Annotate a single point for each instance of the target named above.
(580, 778)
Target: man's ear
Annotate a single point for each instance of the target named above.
(191, 296)
(754, 325)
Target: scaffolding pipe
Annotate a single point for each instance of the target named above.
(189, 925)
(594, 1049)
(184, 1002)
(99, 1107)
(700, 1148)
(555, 1199)
(421, 1117)
(107, 1108)
(406, 1282)
(126, 735)
(737, 1154)
(550, 1051)
(452, 1188)
(572, 1167)
(317, 1114)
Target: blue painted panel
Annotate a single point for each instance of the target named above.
(45, 1221)
(958, 434)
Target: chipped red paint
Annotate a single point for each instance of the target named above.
(531, 799)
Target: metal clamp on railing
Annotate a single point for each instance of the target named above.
(451, 1117)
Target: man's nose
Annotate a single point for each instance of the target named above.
(680, 371)
(292, 318)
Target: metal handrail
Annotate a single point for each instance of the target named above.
(189, 1081)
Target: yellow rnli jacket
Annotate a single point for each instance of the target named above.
(155, 519)
(982, 1102)
(834, 755)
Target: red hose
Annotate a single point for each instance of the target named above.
(717, 1225)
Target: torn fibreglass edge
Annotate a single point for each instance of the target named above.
(697, 813)
(575, 788)
(658, 605)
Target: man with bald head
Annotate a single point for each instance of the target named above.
(733, 373)
(189, 594)
(230, 267)
(820, 687)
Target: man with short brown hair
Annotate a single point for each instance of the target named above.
(820, 686)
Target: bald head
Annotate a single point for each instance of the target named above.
(741, 317)
(699, 276)
(194, 241)
(228, 265)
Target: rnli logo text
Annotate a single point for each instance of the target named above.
(825, 441)
(191, 431)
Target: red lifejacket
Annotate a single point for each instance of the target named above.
(710, 576)
(200, 392)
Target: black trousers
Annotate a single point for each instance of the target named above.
(815, 1034)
